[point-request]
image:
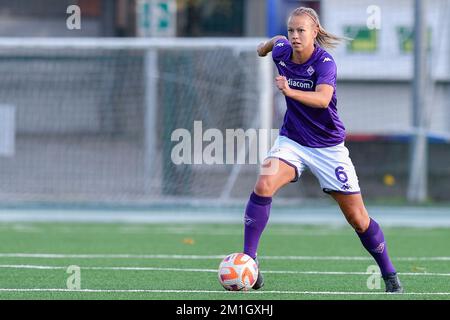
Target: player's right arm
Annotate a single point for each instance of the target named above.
(267, 46)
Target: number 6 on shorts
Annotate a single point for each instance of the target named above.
(340, 174)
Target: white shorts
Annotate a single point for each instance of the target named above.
(332, 166)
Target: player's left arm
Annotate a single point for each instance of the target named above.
(320, 98)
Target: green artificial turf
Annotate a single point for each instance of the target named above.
(421, 256)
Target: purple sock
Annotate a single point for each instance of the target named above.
(373, 240)
(256, 217)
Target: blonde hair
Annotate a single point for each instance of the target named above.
(324, 38)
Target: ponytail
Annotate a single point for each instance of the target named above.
(327, 40)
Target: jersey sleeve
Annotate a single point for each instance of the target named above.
(281, 50)
(326, 70)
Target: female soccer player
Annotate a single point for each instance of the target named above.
(312, 136)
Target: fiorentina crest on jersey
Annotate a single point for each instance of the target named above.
(310, 70)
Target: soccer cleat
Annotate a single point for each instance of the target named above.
(260, 280)
(393, 284)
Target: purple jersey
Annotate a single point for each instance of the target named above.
(310, 127)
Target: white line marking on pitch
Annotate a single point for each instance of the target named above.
(216, 291)
(40, 267)
(200, 257)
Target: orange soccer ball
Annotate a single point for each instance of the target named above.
(238, 271)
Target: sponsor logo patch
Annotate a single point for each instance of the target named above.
(300, 83)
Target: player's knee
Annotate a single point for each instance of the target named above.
(264, 187)
(358, 219)
(359, 225)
